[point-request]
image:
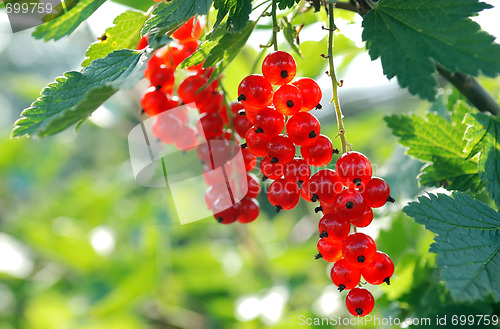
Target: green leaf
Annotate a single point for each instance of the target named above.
(76, 95)
(139, 5)
(124, 34)
(441, 143)
(290, 35)
(284, 4)
(467, 243)
(238, 12)
(410, 36)
(169, 14)
(484, 135)
(67, 23)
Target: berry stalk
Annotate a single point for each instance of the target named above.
(275, 25)
(335, 83)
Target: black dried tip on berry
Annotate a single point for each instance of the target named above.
(323, 234)
(242, 112)
(142, 111)
(242, 98)
(361, 259)
(299, 183)
(264, 178)
(278, 208)
(388, 281)
(319, 107)
(335, 151)
(341, 287)
(357, 181)
(243, 146)
(391, 199)
(312, 134)
(314, 197)
(318, 209)
(220, 219)
(289, 104)
(274, 160)
(349, 205)
(318, 256)
(359, 311)
(259, 130)
(158, 87)
(284, 74)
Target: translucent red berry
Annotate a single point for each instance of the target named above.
(287, 99)
(153, 101)
(325, 185)
(376, 192)
(334, 227)
(303, 128)
(359, 249)
(359, 302)
(187, 139)
(241, 124)
(271, 170)
(249, 159)
(163, 78)
(379, 269)
(298, 171)
(365, 219)
(143, 43)
(280, 149)
(350, 204)
(249, 209)
(189, 31)
(255, 91)
(216, 192)
(269, 122)
(210, 125)
(354, 169)
(166, 127)
(253, 186)
(224, 214)
(329, 249)
(319, 153)
(189, 87)
(283, 194)
(279, 68)
(344, 275)
(256, 143)
(311, 93)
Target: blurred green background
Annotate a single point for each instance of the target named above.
(83, 246)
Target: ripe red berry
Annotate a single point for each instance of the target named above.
(376, 192)
(298, 171)
(350, 204)
(334, 227)
(379, 269)
(210, 125)
(329, 249)
(287, 99)
(325, 185)
(256, 143)
(166, 127)
(344, 275)
(216, 192)
(279, 68)
(328, 208)
(189, 87)
(143, 43)
(241, 125)
(359, 249)
(311, 93)
(253, 186)
(271, 170)
(269, 122)
(359, 302)
(153, 101)
(303, 128)
(162, 77)
(210, 102)
(250, 210)
(283, 194)
(365, 219)
(354, 169)
(187, 139)
(255, 91)
(189, 31)
(224, 214)
(249, 159)
(280, 149)
(319, 153)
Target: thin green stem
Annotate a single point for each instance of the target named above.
(335, 83)
(275, 25)
(226, 104)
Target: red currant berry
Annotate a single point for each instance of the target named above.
(163, 78)
(287, 100)
(255, 91)
(189, 87)
(298, 171)
(256, 143)
(215, 152)
(249, 210)
(279, 68)
(359, 302)
(166, 127)
(303, 128)
(280, 149)
(334, 227)
(214, 193)
(153, 101)
(306, 194)
(211, 125)
(365, 219)
(328, 208)
(329, 249)
(319, 153)
(236, 108)
(143, 43)
(224, 214)
(379, 269)
(350, 204)
(253, 186)
(353, 169)
(241, 124)
(283, 194)
(344, 275)
(269, 122)
(271, 170)
(311, 93)
(325, 185)
(210, 102)
(359, 249)
(249, 159)
(376, 192)
(189, 31)
(187, 139)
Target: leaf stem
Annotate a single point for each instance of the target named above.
(275, 25)
(335, 83)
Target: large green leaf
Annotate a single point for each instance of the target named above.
(467, 243)
(484, 136)
(76, 95)
(67, 23)
(169, 14)
(238, 12)
(124, 34)
(410, 36)
(284, 4)
(140, 5)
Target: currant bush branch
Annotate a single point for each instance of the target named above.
(275, 25)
